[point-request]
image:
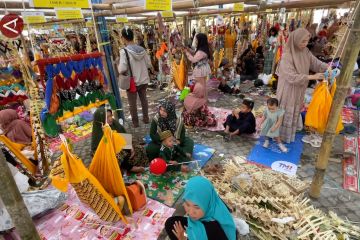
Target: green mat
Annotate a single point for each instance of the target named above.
(166, 188)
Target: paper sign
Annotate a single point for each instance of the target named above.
(60, 3)
(158, 5)
(167, 14)
(33, 17)
(122, 19)
(68, 13)
(268, 10)
(239, 7)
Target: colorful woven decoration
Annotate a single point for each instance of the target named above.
(71, 82)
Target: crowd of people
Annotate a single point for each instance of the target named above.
(208, 217)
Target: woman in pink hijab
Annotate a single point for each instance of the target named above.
(14, 128)
(293, 71)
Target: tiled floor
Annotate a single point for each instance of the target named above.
(333, 197)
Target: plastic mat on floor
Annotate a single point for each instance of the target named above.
(73, 220)
(201, 152)
(273, 158)
(166, 188)
(220, 116)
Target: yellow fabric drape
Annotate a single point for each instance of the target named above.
(255, 44)
(220, 57)
(104, 165)
(229, 44)
(16, 148)
(319, 109)
(71, 170)
(180, 74)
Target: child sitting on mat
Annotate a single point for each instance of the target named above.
(272, 120)
(171, 153)
(241, 121)
(227, 84)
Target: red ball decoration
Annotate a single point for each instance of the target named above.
(158, 166)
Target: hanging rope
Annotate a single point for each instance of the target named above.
(95, 29)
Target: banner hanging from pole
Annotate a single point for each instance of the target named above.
(167, 14)
(158, 5)
(122, 19)
(239, 7)
(68, 13)
(33, 17)
(60, 3)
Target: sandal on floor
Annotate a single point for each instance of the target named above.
(316, 142)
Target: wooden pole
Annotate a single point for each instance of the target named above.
(349, 56)
(14, 203)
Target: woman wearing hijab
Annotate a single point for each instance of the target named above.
(208, 217)
(133, 160)
(166, 119)
(196, 112)
(15, 129)
(296, 63)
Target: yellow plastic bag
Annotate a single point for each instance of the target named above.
(319, 109)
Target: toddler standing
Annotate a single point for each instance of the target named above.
(272, 120)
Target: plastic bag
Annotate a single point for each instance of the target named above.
(241, 226)
(319, 109)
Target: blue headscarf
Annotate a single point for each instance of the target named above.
(201, 192)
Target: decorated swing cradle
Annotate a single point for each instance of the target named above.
(75, 84)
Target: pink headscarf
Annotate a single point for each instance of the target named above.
(197, 98)
(299, 56)
(15, 129)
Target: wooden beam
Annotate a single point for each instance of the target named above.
(14, 203)
(106, 9)
(186, 5)
(19, 5)
(348, 59)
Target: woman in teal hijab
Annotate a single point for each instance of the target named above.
(208, 217)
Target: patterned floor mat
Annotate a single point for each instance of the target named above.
(73, 220)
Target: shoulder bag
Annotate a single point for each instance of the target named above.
(127, 82)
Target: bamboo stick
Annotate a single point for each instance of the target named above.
(14, 203)
(349, 56)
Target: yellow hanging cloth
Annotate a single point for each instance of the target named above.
(229, 45)
(255, 44)
(216, 62)
(104, 165)
(180, 74)
(319, 109)
(16, 148)
(70, 169)
(221, 56)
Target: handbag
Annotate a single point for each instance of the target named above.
(137, 195)
(127, 82)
